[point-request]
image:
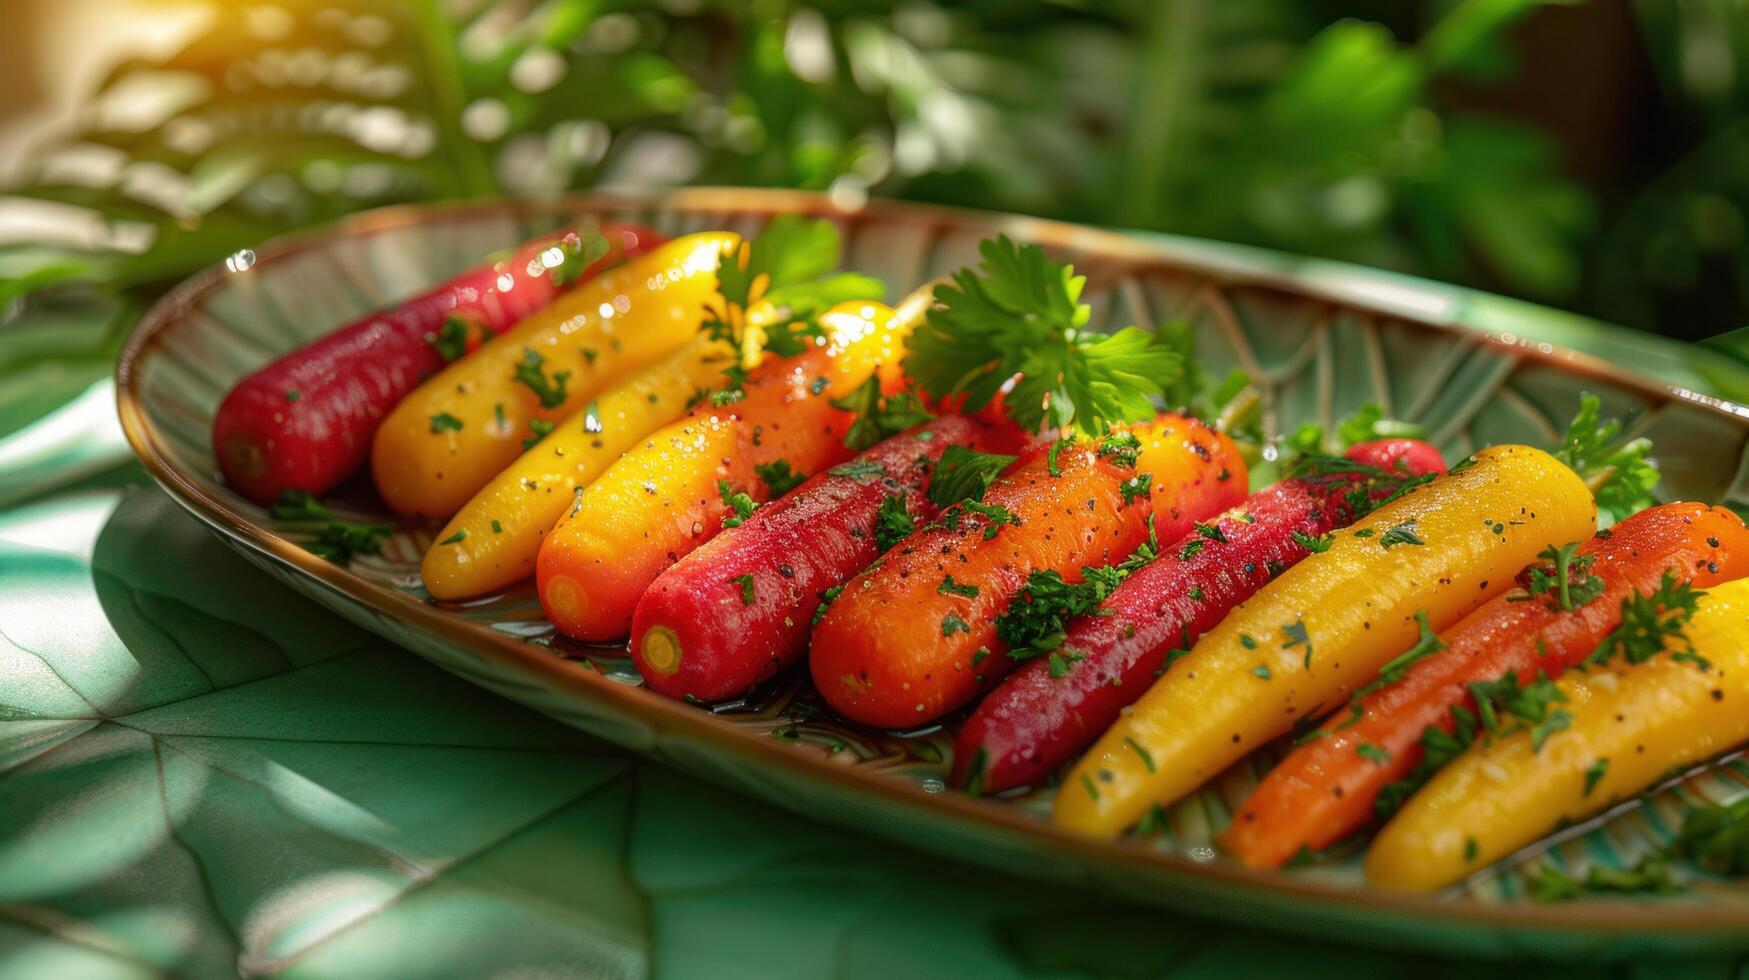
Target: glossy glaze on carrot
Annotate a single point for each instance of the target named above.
(740, 608)
(896, 650)
(1039, 718)
(305, 421)
(1325, 791)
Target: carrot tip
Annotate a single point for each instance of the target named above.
(660, 650)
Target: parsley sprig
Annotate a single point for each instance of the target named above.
(879, 416)
(789, 265)
(1618, 473)
(1019, 314)
(1564, 577)
(1650, 623)
(964, 474)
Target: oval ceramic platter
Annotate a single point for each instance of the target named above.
(1319, 340)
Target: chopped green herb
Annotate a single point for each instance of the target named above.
(1247, 642)
(445, 422)
(879, 417)
(893, 521)
(862, 471)
(1316, 545)
(1298, 637)
(826, 599)
(1262, 670)
(964, 474)
(1566, 578)
(949, 587)
(1191, 549)
(538, 429)
(1121, 448)
(1061, 662)
(1426, 645)
(551, 392)
(778, 477)
(1135, 486)
(1404, 533)
(746, 583)
(497, 528)
(1051, 461)
(952, 623)
(293, 395)
(456, 538)
(1212, 532)
(740, 504)
(1141, 753)
(1372, 753)
(1594, 773)
(1650, 623)
(451, 339)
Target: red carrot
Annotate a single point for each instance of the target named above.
(305, 421)
(918, 634)
(1330, 786)
(1041, 717)
(739, 609)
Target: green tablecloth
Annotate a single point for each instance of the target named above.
(202, 773)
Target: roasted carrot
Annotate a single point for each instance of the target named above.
(305, 421)
(739, 609)
(1041, 716)
(1325, 627)
(493, 540)
(671, 494)
(1626, 726)
(459, 429)
(1331, 786)
(916, 635)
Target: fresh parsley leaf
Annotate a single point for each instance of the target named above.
(1136, 486)
(300, 505)
(893, 522)
(1051, 457)
(1020, 314)
(551, 392)
(1372, 753)
(445, 422)
(1121, 448)
(952, 623)
(336, 540)
(860, 470)
(1316, 545)
(879, 417)
(964, 474)
(779, 477)
(1532, 705)
(1594, 773)
(1438, 748)
(1035, 622)
(1618, 473)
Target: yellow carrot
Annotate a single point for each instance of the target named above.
(1629, 726)
(492, 542)
(467, 422)
(1313, 636)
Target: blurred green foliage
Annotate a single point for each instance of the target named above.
(1255, 121)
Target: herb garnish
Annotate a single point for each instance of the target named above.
(550, 392)
(1316, 545)
(877, 416)
(1404, 533)
(1061, 662)
(1566, 578)
(336, 540)
(746, 582)
(1594, 773)
(1426, 645)
(445, 422)
(1020, 314)
(949, 587)
(1650, 623)
(1618, 473)
(893, 522)
(964, 474)
(740, 503)
(538, 429)
(952, 623)
(779, 477)
(451, 339)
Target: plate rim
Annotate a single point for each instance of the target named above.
(667, 717)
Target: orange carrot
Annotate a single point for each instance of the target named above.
(915, 635)
(672, 493)
(1330, 786)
